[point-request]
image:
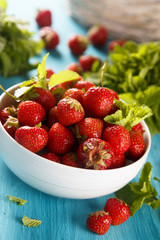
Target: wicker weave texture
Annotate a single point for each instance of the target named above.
(137, 20)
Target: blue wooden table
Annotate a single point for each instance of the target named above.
(64, 219)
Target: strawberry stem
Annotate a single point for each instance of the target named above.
(102, 73)
(12, 96)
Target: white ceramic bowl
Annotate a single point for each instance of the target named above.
(60, 180)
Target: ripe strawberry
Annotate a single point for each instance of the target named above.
(45, 98)
(113, 43)
(52, 117)
(95, 153)
(75, 67)
(137, 127)
(69, 111)
(118, 161)
(6, 112)
(89, 128)
(50, 72)
(118, 137)
(98, 101)
(51, 156)
(115, 94)
(98, 35)
(60, 139)
(32, 138)
(44, 18)
(74, 93)
(99, 222)
(118, 210)
(81, 84)
(50, 37)
(70, 159)
(137, 147)
(45, 127)
(11, 125)
(87, 62)
(30, 113)
(78, 44)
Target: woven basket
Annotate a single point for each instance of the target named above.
(137, 20)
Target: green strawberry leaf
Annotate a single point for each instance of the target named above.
(62, 76)
(28, 222)
(42, 82)
(135, 194)
(128, 115)
(19, 201)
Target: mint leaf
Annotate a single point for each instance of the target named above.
(62, 76)
(135, 194)
(42, 81)
(28, 222)
(128, 115)
(19, 201)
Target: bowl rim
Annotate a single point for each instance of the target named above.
(65, 167)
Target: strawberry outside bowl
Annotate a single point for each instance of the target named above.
(60, 180)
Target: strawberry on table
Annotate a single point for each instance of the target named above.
(113, 43)
(87, 62)
(78, 43)
(70, 159)
(30, 113)
(98, 35)
(60, 139)
(51, 156)
(89, 128)
(76, 67)
(50, 37)
(118, 210)
(69, 111)
(44, 18)
(98, 101)
(32, 138)
(95, 153)
(118, 137)
(99, 222)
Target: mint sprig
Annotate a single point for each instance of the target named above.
(128, 115)
(135, 194)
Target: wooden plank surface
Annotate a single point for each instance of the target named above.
(64, 219)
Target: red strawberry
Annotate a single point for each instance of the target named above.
(98, 101)
(118, 161)
(32, 138)
(137, 127)
(70, 159)
(11, 125)
(87, 62)
(115, 94)
(118, 137)
(51, 156)
(30, 113)
(6, 112)
(83, 85)
(69, 111)
(98, 35)
(44, 18)
(89, 128)
(113, 43)
(45, 98)
(95, 153)
(78, 44)
(60, 139)
(52, 117)
(45, 127)
(99, 222)
(50, 37)
(49, 73)
(74, 93)
(137, 147)
(75, 67)
(118, 210)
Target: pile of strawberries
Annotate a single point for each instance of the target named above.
(65, 124)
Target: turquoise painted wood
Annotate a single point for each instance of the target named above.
(64, 219)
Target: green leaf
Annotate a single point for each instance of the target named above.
(42, 82)
(19, 201)
(62, 76)
(128, 115)
(3, 4)
(28, 222)
(157, 179)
